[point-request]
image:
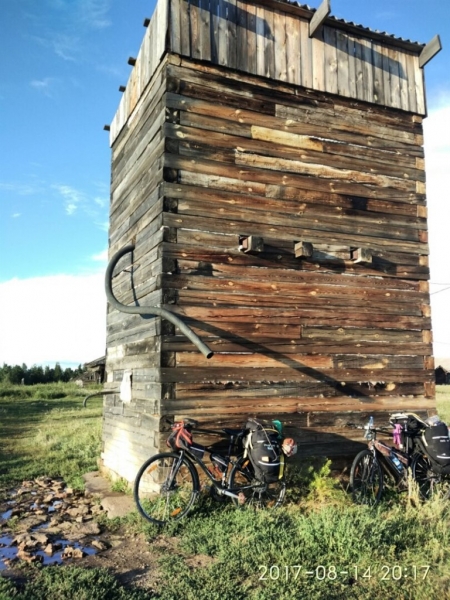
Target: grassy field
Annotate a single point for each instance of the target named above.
(46, 431)
(318, 546)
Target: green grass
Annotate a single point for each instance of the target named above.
(46, 431)
(318, 546)
(312, 554)
(443, 402)
(70, 583)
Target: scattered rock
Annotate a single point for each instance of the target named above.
(71, 552)
(40, 537)
(49, 549)
(91, 528)
(53, 520)
(99, 545)
(27, 557)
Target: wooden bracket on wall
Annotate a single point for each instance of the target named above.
(122, 88)
(430, 50)
(146, 22)
(319, 17)
(361, 255)
(303, 249)
(251, 243)
(132, 61)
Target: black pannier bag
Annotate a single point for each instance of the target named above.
(263, 447)
(437, 445)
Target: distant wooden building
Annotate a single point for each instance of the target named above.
(442, 376)
(268, 166)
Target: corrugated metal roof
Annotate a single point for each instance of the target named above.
(367, 30)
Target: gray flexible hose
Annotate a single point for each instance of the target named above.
(149, 310)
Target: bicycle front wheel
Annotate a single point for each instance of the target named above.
(242, 480)
(165, 488)
(366, 479)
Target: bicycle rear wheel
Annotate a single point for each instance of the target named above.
(366, 479)
(259, 494)
(165, 488)
(431, 485)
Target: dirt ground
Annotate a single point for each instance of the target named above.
(45, 521)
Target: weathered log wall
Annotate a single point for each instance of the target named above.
(211, 157)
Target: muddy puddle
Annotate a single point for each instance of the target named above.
(46, 521)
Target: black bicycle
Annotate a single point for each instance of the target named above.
(367, 473)
(410, 458)
(168, 484)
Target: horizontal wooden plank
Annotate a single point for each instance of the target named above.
(274, 375)
(202, 297)
(299, 395)
(244, 226)
(276, 255)
(235, 343)
(279, 118)
(319, 361)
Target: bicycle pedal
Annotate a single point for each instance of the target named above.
(241, 498)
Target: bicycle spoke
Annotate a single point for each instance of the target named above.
(165, 488)
(431, 484)
(257, 494)
(366, 479)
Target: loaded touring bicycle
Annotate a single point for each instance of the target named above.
(421, 448)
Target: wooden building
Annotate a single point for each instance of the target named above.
(268, 167)
(442, 375)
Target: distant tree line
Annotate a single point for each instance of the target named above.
(30, 375)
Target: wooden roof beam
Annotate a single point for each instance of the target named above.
(430, 50)
(319, 17)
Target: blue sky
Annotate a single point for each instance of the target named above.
(62, 64)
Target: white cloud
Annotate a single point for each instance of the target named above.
(15, 215)
(102, 202)
(66, 46)
(94, 13)
(60, 318)
(72, 197)
(437, 160)
(101, 256)
(43, 85)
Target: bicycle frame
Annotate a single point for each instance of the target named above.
(219, 484)
(385, 454)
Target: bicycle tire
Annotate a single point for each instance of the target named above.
(366, 479)
(430, 484)
(159, 499)
(258, 494)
